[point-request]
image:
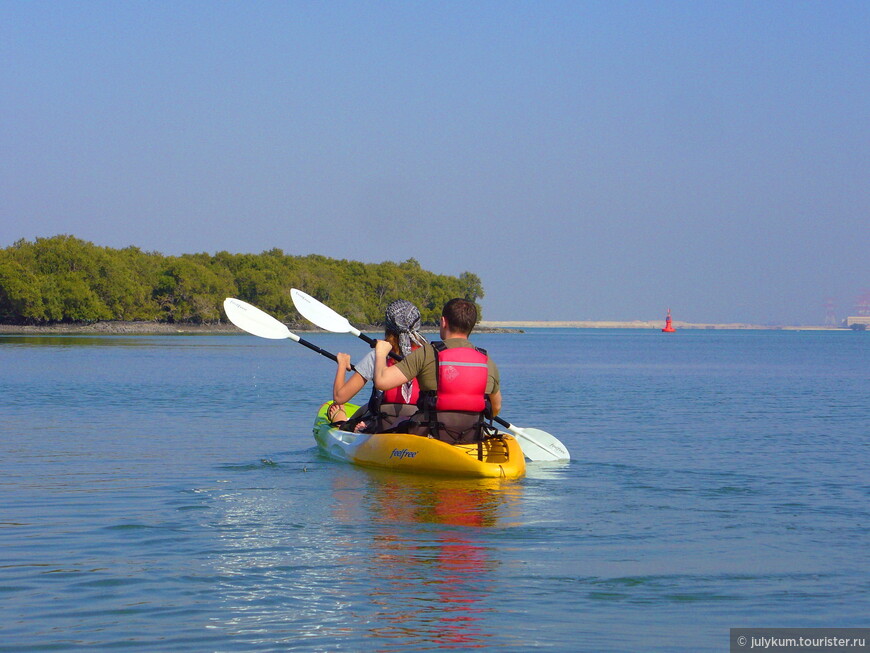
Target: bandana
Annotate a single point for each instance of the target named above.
(403, 318)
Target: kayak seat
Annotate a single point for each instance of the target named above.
(452, 427)
(393, 414)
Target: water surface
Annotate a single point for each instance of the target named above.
(164, 493)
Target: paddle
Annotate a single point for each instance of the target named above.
(537, 445)
(259, 323)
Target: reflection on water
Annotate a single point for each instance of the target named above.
(377, 561)
(432, 584)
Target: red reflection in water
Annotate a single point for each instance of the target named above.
(431, 584)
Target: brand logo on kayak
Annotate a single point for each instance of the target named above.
(402, 453)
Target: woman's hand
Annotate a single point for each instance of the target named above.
(343, 361)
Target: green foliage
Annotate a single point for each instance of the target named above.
(20, 293)
(65, 279)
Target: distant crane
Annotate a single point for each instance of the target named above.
(830, 313)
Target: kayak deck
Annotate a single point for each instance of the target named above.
(501, 457)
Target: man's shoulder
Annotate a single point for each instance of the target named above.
(417, 356)
(421, 352)
(450, 343)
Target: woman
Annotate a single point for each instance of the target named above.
(402, 323)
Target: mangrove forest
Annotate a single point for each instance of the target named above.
(64, 279)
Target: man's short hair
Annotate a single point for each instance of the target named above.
(461, 315)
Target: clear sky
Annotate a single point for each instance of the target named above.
(588, 160)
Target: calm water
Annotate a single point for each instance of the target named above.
(164, 494)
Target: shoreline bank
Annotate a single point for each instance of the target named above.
(485, 326)
(161, 328)
(118, 328)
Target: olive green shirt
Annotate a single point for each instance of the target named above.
(420, 365)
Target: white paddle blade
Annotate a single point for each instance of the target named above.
(538, 445)
(254, 321)
(319, 313)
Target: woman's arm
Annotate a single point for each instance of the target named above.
(344, 389)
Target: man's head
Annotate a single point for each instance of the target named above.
(459, 316)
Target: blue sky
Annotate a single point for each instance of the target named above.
(588, 160)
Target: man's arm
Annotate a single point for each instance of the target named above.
(386, 377)
(493, 386)
(495, 402)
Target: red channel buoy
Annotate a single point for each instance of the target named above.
(669, 328)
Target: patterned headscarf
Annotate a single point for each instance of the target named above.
(403, 318)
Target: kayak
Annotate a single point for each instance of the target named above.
(499, 457)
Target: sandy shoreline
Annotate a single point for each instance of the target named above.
(642, 324)
(486, 326)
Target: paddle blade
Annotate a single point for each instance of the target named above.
(320, 314)
(256, 322)
(539, 445)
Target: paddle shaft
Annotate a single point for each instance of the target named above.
(319, 350)
(372, 342)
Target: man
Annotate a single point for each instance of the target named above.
(456, 379)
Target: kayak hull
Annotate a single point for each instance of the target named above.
(501, 457)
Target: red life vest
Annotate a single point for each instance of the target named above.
(462, 374)
(394, 395)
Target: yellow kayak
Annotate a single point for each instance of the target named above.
(501, 456)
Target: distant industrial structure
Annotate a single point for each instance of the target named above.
(861, 319)
(831, 313)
